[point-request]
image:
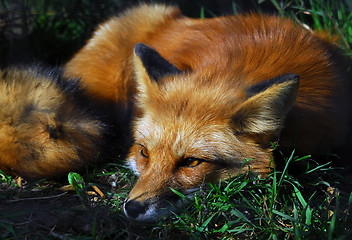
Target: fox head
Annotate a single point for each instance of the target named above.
(197, 127)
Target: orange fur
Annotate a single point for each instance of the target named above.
(44, 131)
(108, 73)
(202, 125)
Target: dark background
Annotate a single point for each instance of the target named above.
(51, 31)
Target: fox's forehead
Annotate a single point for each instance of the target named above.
(150, 128)
(183, 137)
(193, 96)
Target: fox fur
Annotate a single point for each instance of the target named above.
(209, 96)
(46, 127)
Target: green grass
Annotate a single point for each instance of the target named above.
(313, 203)
(280, 207)
(330, 15)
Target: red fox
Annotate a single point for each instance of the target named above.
(211, 95)
(46, 127)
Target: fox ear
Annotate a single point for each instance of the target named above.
(268, 102)
(150, 67)
(153, 64)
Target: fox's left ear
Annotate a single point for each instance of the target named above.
(268, 102)
(150, 67)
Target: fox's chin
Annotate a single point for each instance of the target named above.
(152, 214)
(157, 209)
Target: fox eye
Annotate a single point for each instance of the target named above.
(144, 152)
(191, 162)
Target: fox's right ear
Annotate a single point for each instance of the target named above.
(150, 67)
(266, 107)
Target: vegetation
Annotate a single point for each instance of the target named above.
(300, 200)
(281, 207)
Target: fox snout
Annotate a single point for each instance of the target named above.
(139, 211)
(145, 211)
(134, 208)
(157, 207)
(152, 209)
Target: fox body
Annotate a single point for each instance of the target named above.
(46, 128)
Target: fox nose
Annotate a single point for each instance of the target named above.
(134, 208)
